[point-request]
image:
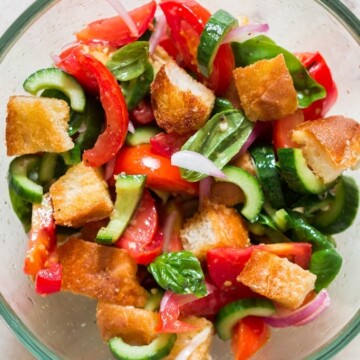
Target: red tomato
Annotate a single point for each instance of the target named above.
(249, 336)
(114, 31)
(160, 174)
(48, 281)
(139, 237)
(283, 129)
(117, 119)
(186, 20)
(142, 113)
(42, 239)
(167, 144)
(173, 222)
(225, 264)
(319, 71)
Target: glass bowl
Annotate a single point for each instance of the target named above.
(63, 326)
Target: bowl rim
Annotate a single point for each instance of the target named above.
(31, 342)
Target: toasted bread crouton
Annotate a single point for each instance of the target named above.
(159, 58)
(202, 352)
(277, 278)
(80, 196)
(180, 103)
(102, 272)
(329, 145)
(35, 124)
(214, 226)
(266, 89)
(226, 193)
(245, 162)
(134, 325)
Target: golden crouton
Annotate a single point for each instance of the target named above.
(159, 57)
(180, 103)
(134, 325)
(35, 124)
(277, 278)
(329, 145)
(266, 89)
(214, 226)
(202, 352)
(245, 162)
(102, 272)
(226, 193)
(80, 196)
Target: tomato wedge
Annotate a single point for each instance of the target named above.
(114, 31)
(48, 281)
(250, 334)
(283, 129)
(318, 69)
(186, 20)
(160, 174)
(167, 144)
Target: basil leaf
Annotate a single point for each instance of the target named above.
(219, 140)
(179, 272)
(325, 264)
(130, 61)
(261, 47)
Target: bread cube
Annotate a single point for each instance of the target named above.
(180, 103)
(277, 279)
(329, 145)
(102, 272)
(35, 124)
(80, 196)
(266, 89)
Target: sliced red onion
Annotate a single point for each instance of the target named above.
(196, 341)
(194, 161)
(109, 168)
(131, 128)
(158, 33)
(128, 20)
(55, 58)
(303, 315)
(244, 32)
(168, 229)
(204, 190)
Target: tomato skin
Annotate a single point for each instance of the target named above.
(186, 20)
(160, 174)
(319, 71)
(283, 129)
(250, 334)
(173, 214)
(142, 113)
(48, 281)
(225, 264)
(114, 31)
(167, 144)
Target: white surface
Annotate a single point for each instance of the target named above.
(11, 348)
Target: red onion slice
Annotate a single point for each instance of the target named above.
(159, 32)
(194, 161)
(244, 32)
(303, 315)
(204, 190)
(109, 168)
(128, 20)
(131, 128)
(168, 229)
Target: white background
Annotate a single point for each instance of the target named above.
(10, 347)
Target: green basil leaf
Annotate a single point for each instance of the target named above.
(179, 272)
(261, 47)
(219, 140)
(130, 61)
(325, 264)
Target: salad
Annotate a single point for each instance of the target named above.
(179, 167)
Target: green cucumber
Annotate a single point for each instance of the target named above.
(47, 167)
(221, 104)
(129, 189)
(22, 209)
(154, 299)
(157, 349)
(53, 78)
(341, 210)
(265, 163)
(280, 218)
(233, 312)
(142, 135)
(219, 24)
(254, 197)
(19, 180)
(72, 156)
(297, 174)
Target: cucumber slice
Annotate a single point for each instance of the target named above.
(265, 163)
(297, 174)
(129, 189)
(47, 167)
(219, 24)
(231, 313)
(142, 135)
(221, 104)
(53, 78)
(254, 197)
(157, 349)
(72, 156)
(22, 209)
(19, 180)
(342, 209)
(154, 299)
